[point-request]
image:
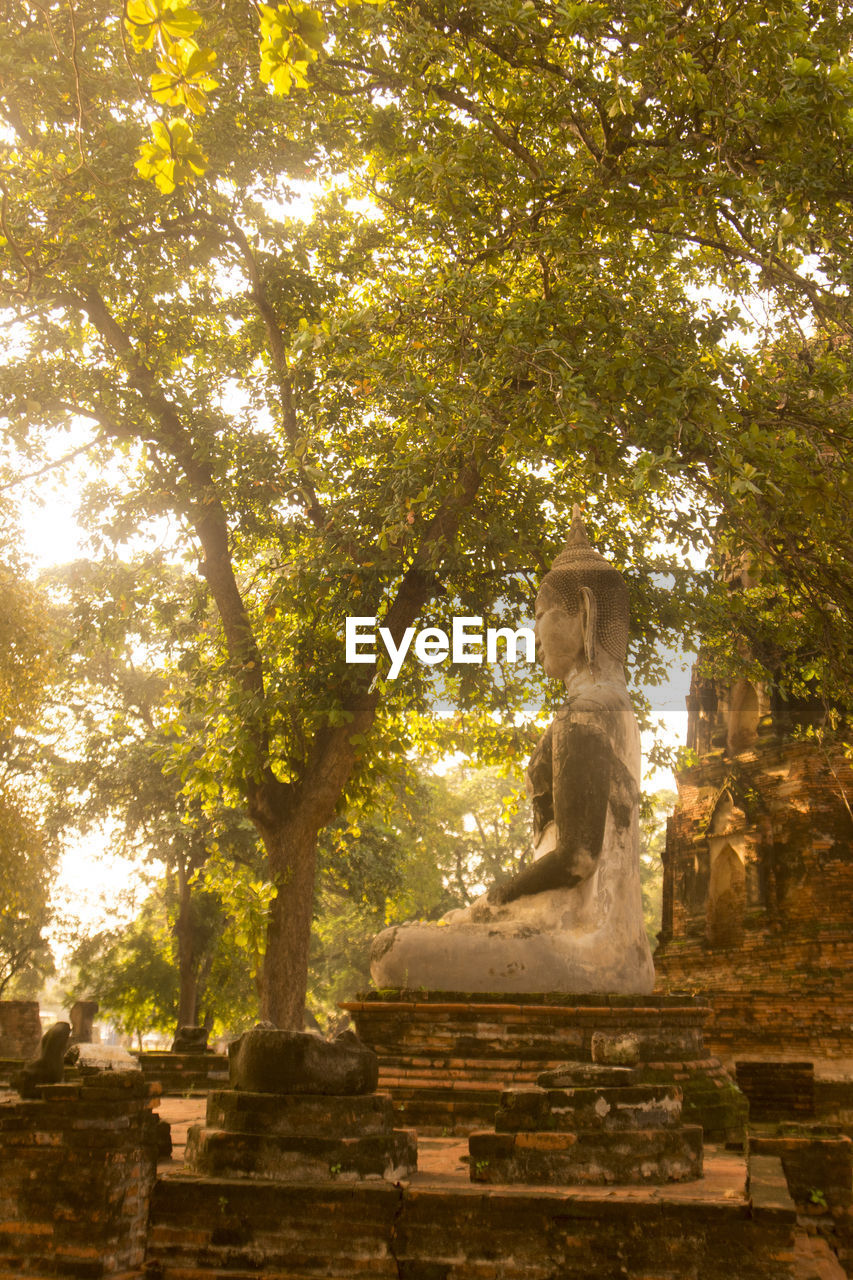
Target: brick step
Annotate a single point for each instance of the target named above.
(401, 1085)
(216, 1229)
(369, 1268)
(470, 1066)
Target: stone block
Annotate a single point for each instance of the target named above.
(300, 1115)
(571, 1074)
(610, 1109)
(76, 1171)
(20, 1029)
(82, 1014)
(294, 1158)
(630, 1158)
(190, 1040)
(267, 1060)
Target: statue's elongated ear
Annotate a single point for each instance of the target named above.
(589, 611)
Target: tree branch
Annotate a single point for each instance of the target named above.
(278, 354)
(333, 755)
(206, 513)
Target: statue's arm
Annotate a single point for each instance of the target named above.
(582, 777)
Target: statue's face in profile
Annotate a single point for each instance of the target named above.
(559, 636)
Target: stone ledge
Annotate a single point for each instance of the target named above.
(299, 1115)
(634, 1157)
(298, 1159)
(210, 1229)
(408, 999)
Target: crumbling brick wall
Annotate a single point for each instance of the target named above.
(758, 898)
(77, 1168)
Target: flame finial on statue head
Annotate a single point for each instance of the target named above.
(580, 569)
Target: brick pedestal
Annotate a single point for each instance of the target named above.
(300, 1138)
(446, 1058)
(602, 1127)
(183, 1073)
(20, 1029)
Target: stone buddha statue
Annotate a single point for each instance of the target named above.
(572, 920)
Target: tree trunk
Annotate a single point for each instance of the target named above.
(187, 958)
(292, 851)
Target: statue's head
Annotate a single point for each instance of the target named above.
(592, 595)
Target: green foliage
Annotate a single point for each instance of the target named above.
(27, 860)
(131, 974)
(435, 842)
(657, 809)
(123, 676)
(527, 282)
(291, 38)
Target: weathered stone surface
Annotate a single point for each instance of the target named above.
(83, 1014)
(190, 1040)
(183, 1073)
(628, 1157)
(580, 1074)
(612, 1109)
(777, 1090)
(818, 1166)
(300, 1137)
(572, 920)
(207, 1229)
(267, 1060)
(299, 1114)
(297, 1158)
(758, 899)
(446, 1057)
(77, 1165)
(49, 1066)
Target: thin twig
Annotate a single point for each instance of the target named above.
(51, 466)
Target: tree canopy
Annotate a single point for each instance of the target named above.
(525, 282)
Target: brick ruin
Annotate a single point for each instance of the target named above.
(20, 1029)
(758, 879)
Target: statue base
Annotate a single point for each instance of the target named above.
(447, 1057)
(588, 1125)
(301, 1138)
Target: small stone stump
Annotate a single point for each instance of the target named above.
(301, 1109)
(190, 1040)
(588, 1124)
(83, 1014)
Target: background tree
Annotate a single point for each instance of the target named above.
(389, 409)
(652, 844)
(429, 842)
(135, 975)
(27, 859)
(128, 632)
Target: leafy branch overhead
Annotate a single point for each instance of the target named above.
(291, 37)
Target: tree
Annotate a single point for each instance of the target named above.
(121, 664)
(134, 974)
(432, 842)
(387, 412)
(652, 844)
(27, 860)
